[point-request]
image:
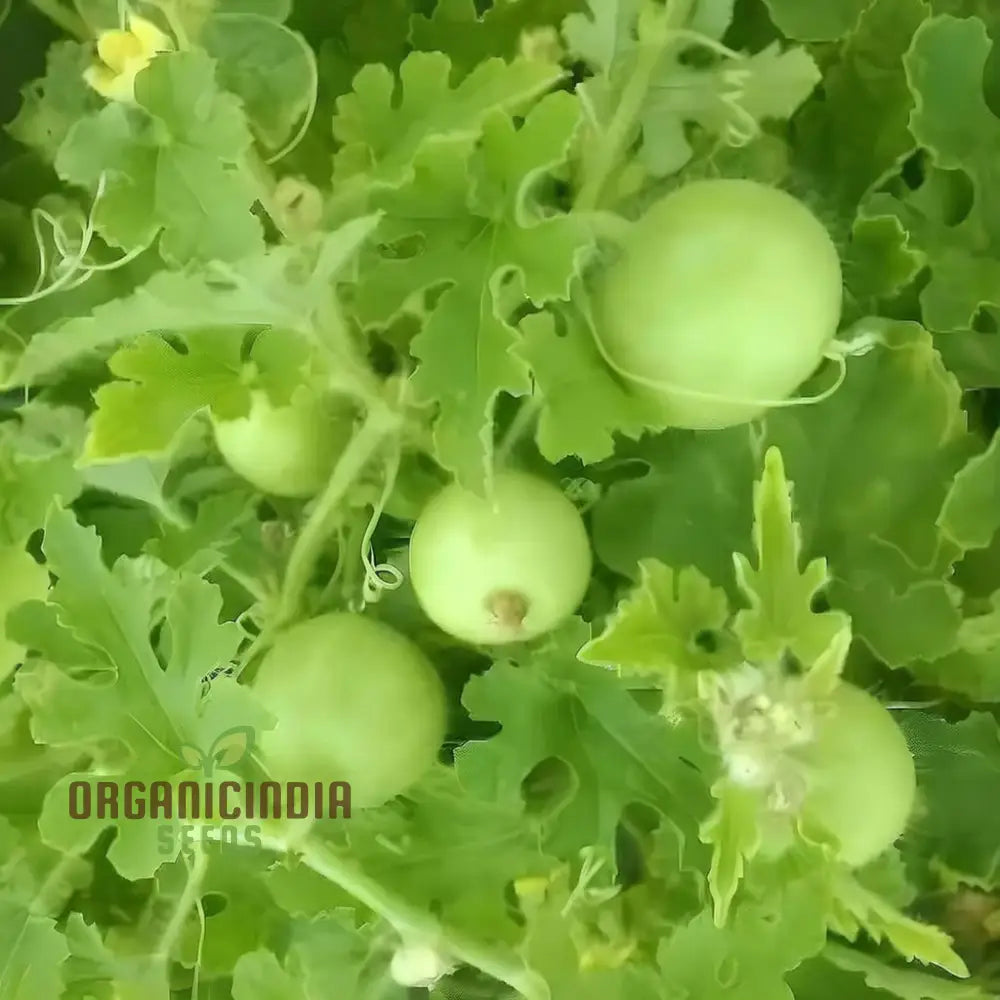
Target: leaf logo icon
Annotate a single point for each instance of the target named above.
(192, 756)
(229, 749)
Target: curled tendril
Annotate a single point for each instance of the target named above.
(70, 267)
(380, 577)
(835, 352)
(310, 111)
(742, 128)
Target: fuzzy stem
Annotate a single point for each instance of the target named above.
(414, 922)
(523, 420)
(380, 423)
(615, 141)
(189, 897)
(44, 901)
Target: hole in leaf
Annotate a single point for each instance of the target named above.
(155, 634)
(956, 195)
(819, 604)
(629, 858)
(984, 321)
(561, 193)
(913, 170)
(213, 903)
(382, 356)
(649, 699)
(697, 57)
(548, 782)
(176, 342)
(707, 640)
(250, 338)
(791, 663)
(404, 247)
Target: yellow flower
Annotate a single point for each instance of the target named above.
(123, 55)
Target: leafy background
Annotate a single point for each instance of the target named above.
(558, 844)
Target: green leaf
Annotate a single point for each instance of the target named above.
(327, 957)
(275, 101)
(858, 909)
(259, 976)
(971, 512)
(37, 454)
(945, 68)
(671, 625)
(381, 137)
(201, 545)
(735, 834)
(617, 752)
(880, 262)
(93, 969)
(582, 403)
(141, 479)
(817, 22)
(243, 916)
(922, 621)
(473, 238)
(868, 495)
(569, 956)
(972, 668)
(356, 34)
(454, 848)
(605, 34)
(708, 479)
(469, 37)
(175, 172)
(957, 768)
(32, 952)
(128, 701)
(730, 99)
(22, 580)
(781, 594)
(282, 287)
(762, 942)
(860, 133)
(332, 955)
(906, 983)
(162, 388)
(53, 104)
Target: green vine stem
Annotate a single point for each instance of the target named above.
(621, 130)
(413, 922)
(524, 420)
(378, 426)
(186, 903)
(48, 897)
